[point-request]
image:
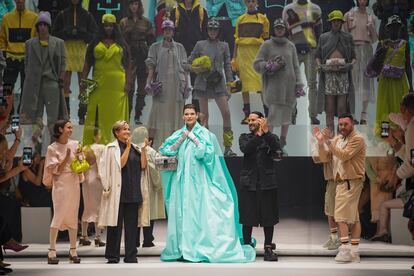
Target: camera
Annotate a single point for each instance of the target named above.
(412, 157)
(385, 129)
(27, 156)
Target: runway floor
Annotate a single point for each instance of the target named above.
(309, 266)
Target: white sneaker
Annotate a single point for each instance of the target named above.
(344, 254)
(327, 243)
(355, 257)
(334, 245)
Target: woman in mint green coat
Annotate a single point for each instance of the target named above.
(200, 199)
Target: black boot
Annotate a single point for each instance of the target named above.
(269, 255)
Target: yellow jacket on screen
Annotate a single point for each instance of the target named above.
(17, 27)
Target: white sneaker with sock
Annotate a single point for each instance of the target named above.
(344, 254)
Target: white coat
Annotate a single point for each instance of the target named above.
(109, 167)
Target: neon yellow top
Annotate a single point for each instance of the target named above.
(251, 29)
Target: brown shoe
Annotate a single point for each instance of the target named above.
(52, 260)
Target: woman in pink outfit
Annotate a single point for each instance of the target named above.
(65, 188)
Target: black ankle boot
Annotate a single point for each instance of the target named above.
(269, 255)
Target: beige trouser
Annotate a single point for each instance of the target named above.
(346, 200)
(330, 198)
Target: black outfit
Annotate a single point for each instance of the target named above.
(226, 29)
(188, 30)
(53, 7)
(148, 236)
(84, 28)
(13, 68)
(131, 198)
(33, 195)
(257, 192)
(10, 210)
(5, 234)
(384, 9)
(272, 9)
(327, 6)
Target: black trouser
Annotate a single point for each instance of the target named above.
(10, 211)
(127, 216)
(148, 236)
(227, 34)
(11, 72)
(247, 234)
(140, 75)
(5, 235)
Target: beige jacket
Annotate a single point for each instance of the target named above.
(109, 168)
(406, 170)
(327, 166)
(347, 155)
(152, 207)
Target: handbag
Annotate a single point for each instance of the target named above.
(90, 85)
(79, 164)
(408, 207)
(214, 78)
(166, 163)
(392, 71)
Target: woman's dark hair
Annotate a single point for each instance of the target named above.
(190, 106)
(258, 113)
(140, 9)
(408, 102)
(357, 2)
(118, 39)
(58, 125)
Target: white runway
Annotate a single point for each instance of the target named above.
(309, 266)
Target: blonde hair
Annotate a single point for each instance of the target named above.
(118, 126)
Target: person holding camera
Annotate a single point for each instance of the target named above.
(77, 27)
(44, 65)
(211, 84)
(9, 204)
(258, 204)
(65, 183)
(347, 153)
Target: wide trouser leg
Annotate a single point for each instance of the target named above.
(113, 237)
(131, 230)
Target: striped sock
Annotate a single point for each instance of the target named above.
(334, 234)
(354, 245)
(345, 240)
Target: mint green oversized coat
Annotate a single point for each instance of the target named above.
(201, 203)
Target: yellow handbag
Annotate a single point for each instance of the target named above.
(79, 164)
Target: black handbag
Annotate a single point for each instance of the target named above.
(214, 78)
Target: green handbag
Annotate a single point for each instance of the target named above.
(79, 164)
